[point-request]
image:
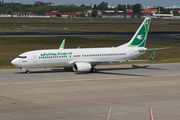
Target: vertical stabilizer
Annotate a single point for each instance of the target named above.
(140, 37)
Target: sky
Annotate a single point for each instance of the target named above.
(164, 3)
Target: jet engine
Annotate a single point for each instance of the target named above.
(82, 67)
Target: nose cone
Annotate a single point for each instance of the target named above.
(15, 62)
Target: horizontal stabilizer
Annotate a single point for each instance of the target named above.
(149, 59)
(154, 49)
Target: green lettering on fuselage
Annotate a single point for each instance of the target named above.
(56, 54)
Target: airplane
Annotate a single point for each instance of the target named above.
(86, 59)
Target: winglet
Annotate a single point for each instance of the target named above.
(62, 44)
(152, 56)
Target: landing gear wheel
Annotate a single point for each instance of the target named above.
(93, 70)
(27, 71)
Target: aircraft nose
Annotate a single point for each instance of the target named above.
(15, 62)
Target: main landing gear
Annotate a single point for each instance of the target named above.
(93, 70)
(27, 71)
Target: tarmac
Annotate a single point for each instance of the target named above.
(117, 92)
(168, 35)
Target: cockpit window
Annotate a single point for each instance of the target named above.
(23, 57)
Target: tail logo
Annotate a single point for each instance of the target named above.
(140, 37)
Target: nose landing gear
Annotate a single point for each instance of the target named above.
(26, 70)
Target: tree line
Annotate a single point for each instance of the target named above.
(41, 9)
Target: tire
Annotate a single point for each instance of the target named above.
(93, 70)
(27, 71)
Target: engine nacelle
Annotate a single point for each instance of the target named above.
(82, 67)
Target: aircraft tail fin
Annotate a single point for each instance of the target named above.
(140, 37)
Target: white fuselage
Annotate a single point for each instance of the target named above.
(66, 57)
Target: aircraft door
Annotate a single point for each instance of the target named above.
(130, 54)
(35, 58)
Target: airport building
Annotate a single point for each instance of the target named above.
(44, 3)
(149, 12)
(128, 14)
(62, 14)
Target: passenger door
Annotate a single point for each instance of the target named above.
(35, 58)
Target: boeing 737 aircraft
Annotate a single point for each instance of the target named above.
(85, 59)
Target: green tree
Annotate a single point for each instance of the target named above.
(7, 7)
(94, 12)
(17, 7)
(115, 9)
(40, 10)
(95, 6)
(32, 9)
(121, 7)
(161, 9)
(103, 6)
(52, 8)
(166, 11)
(176, 13)
(129, 6)
(137, 8)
